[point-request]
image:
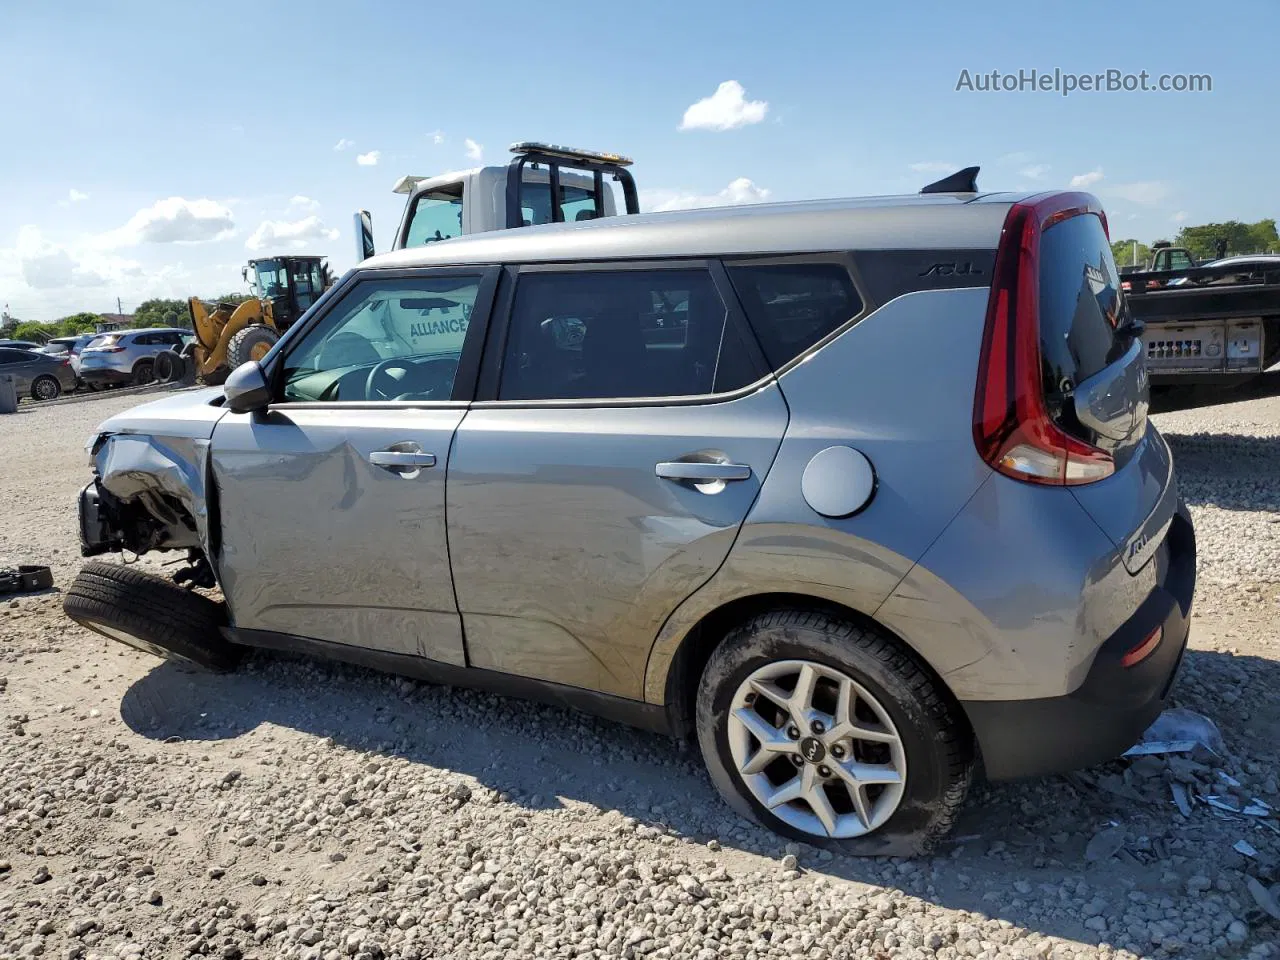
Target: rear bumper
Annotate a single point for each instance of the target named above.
(1107, 713)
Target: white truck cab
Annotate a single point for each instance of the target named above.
(543, 183)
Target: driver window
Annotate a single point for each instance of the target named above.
(385, 340)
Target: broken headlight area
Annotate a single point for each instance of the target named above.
(148, 493)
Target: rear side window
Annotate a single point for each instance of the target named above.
(1081, 305)
(621, 334)
(793, 306)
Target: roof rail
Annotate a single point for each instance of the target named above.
(962, 181)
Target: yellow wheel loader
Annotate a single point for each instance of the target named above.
(229, 334)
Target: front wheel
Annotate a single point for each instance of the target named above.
(151, 614)
(833, 734)
(251, 343)
(143, 372)
(46, 388)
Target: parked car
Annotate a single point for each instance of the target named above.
(82, 341)
(1247, 264)
(787, 523)
(37, 374)
(20, 344)
(58, 347)
(126, 356)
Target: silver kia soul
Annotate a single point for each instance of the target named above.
(859, 493)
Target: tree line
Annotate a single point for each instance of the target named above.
(158, 312)
(1206, 240)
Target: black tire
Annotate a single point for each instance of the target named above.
(150, 614)
(143, 372)
(45, 387)
(168, 366)
(937, 742)
(243, 346)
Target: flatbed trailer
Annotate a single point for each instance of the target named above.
(1217, 329)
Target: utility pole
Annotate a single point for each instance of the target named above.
(119, 309)
(1135, 253)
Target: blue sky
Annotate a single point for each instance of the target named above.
(150, 148)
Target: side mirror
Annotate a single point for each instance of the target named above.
(364, 235)
(246, 388)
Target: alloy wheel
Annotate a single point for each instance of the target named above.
(816, 749)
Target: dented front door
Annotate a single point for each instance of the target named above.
(332, 526)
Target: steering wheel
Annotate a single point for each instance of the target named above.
(422, 375)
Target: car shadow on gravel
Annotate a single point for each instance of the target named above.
(1228, 471)
(1017, 853)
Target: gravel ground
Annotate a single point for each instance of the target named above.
(307, 810)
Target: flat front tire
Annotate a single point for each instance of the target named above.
(150, 614)
(832, 733)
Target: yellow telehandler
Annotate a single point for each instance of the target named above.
(228, 334)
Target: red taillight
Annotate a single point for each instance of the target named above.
(1011, 426)
(1144, 649)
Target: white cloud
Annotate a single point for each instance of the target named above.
(369, 159)
(76, 196)
(43, 265)
(291, 233)
(302, 203)
(1150, 191)
(1179, 217)
(1082, 180)
(934, 166)
(1018, 156)
(475, 151)
(172, 220)
(725, 109)
(437, 137)
(343, 144)
(1035, 171)
(741, 190)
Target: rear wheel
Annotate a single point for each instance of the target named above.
(251, 343)
(150, 614)
(143, 372)
(832, 733)
(46, 388)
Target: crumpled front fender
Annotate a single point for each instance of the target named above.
(166, 475)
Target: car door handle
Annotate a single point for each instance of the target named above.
(702, 472)
(392, 459)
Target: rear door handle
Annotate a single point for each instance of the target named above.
(703, 472)
(393, 459)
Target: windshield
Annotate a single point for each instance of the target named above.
(271, 280)
(436, 216)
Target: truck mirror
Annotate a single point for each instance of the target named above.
(364, 235)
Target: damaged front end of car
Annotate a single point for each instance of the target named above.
(149, 493)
